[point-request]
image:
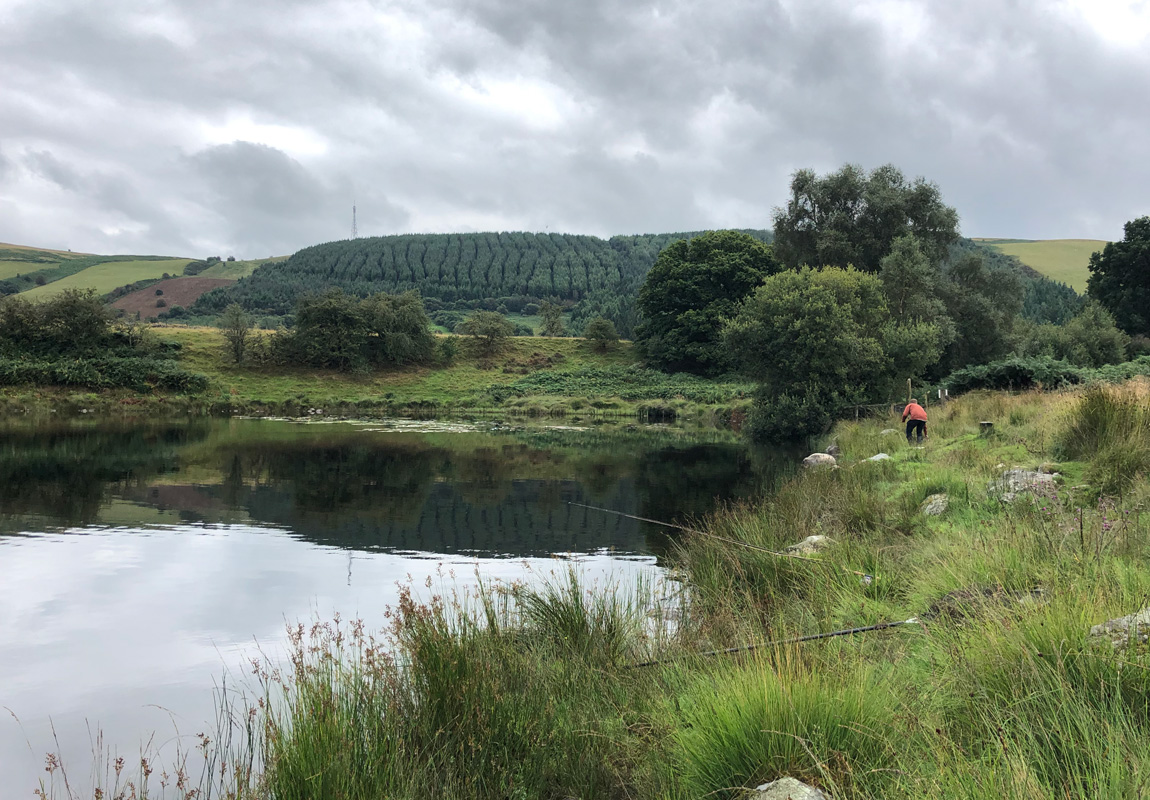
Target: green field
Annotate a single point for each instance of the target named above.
(1062, 260)
(20, 260)
(106, 277)
(234, 270)
(10, 269)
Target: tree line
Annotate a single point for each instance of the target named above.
(462, 272)
(866, 285)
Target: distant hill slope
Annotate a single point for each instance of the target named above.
(1062, 260)
(453, 269)
(39, 272)
(164, 295)
(108, 275)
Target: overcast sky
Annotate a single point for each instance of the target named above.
(202, 127)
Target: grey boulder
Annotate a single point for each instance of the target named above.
(1119, 630)
(934, 505)
(810, 545)
(1019, 481)
(815, 460)
(787, 789)
(879, 457)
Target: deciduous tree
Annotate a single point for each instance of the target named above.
(694, 286)
(1120, 278)
(814, 341)
(489, 329)
(852, 217)
(601, 333)
(237, 327)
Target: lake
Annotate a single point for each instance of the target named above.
(141, 563)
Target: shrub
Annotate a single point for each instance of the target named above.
(161, 303)
(488, 329)
(448, 350)
(1015, 373)
(138, 373)
(601, 333)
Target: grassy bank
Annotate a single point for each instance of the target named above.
(529, 375)
(996, 689)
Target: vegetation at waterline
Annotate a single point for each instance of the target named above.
(997, 688)
(70, 340)
(563, 375)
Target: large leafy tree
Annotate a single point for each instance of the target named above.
(692, 288)
(814, 341)
(852, 217)
(919, 326)
(1120, 277)
(984, 303)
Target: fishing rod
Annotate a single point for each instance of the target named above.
(736, 542)
(778, 642)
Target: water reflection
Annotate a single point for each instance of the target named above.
(489, 493)
(138, 562)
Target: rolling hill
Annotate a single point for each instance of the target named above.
(1063, 260)
(460, 272)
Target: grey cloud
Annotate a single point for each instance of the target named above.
(601, 117)
(254, 188)
(48, 166)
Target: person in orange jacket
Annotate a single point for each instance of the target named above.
(914, 416)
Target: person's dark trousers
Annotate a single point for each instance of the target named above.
(915, 426)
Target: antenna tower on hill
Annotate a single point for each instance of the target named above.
(354, 229)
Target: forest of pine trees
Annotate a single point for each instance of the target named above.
(506, 271)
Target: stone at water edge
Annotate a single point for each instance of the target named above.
(935, 504)
(879, 457)
(815, 543)
(819, 460)
(1119, 630)
(787, 789)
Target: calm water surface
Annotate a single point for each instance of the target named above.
(140, 563)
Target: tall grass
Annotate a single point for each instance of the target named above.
(516, 697)
(1111, 427)
(746, 725)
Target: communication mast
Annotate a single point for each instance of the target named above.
(354, 229)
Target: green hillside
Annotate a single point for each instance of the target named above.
(234, 270)
(40, 273)
(455, 271)
(108, 275)
(1063, 260)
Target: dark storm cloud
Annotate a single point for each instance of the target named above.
(208, 127)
